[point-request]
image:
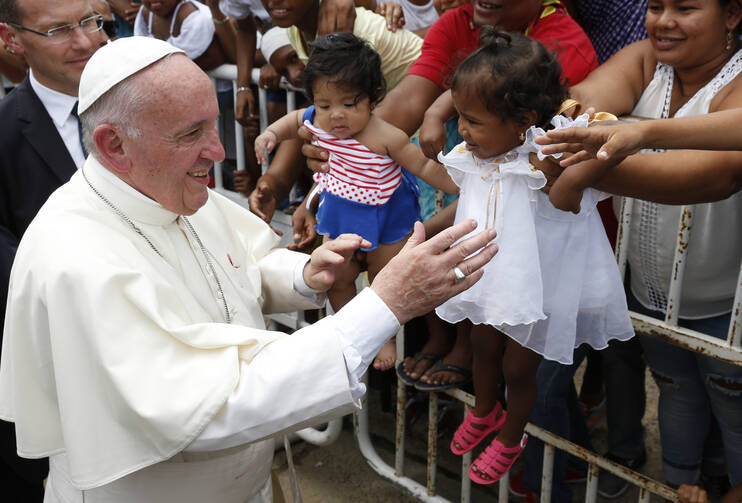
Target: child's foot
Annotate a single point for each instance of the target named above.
(495, 461)
(474, 429)
(433, 350)
(387, 356)
(453, 372)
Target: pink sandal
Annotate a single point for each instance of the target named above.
(494, 461)
(468, 437)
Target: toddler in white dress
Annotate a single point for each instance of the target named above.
(554, 283)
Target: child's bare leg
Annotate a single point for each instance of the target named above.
(344, 288)
(487, 344)
(519, 367)
(376, 260)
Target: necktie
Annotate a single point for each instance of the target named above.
(79, 130)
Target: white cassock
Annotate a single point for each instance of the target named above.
(117, 361)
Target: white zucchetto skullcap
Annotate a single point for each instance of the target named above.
(116, 61)
(273, 39)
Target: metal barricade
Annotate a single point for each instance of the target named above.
(729, 350)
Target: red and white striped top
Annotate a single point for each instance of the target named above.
(356, 173)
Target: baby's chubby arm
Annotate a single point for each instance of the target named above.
(413, 160)
(284, 128)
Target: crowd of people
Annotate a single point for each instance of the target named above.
(136, 364)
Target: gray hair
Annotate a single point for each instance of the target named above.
(10, 12)
(120, 106)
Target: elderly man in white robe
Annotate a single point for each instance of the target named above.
(135, 354)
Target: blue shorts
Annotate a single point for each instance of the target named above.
(383, 224)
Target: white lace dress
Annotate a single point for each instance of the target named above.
(554, 283)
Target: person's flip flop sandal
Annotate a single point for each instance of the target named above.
(417, 358)
(445, 367)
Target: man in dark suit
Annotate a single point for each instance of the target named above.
(40, 149)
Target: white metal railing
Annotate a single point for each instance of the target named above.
(729, 350)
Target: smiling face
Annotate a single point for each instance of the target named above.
(486, 134)
(288, 64)
(179, 143)
(57, 66)
(340, 110)
(507, 15)
(285, 13)
(689, 33)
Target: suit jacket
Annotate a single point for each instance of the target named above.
(34, 162)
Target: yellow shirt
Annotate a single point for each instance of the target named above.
(397, 50)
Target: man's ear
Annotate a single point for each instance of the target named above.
(110, 143)
(8, 36)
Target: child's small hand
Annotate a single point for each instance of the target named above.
(262, 201)
(330, 258)
(264, 145)
(692, 494)
(432, 137)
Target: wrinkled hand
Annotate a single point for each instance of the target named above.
(331, 258)
(336, 16)
(549, 167)
(692, 494)
(421, 276)
(262, 201)
(264, 145)
(393, 14)
(604, 140)
(244, 108)
(432, 137)
(316, 157)
(269, 77)
(304, 232)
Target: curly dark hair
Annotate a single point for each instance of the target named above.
(513, 75)
(347, 60)
(10, 11)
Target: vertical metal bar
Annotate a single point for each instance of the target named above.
(502, 488)
(679, 263)
(547, 473)
(432, 442)
(290, 101)
(399, 436)
(465, 464)
(644, 495)
(622, 238)
(734, 338)
(239, 135)
(218, 179)
(591, 490)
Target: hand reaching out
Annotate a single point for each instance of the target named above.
(605, 141)
(304, 232)
(392, 12)
(264, 145)
(331, 258)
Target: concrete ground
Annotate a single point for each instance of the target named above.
(339, 473)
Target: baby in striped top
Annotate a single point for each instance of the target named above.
(367, 190)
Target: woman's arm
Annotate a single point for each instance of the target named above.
(411, 157)
(616, 85)
(433, 129)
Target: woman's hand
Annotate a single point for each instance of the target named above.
(603, 141)
(432, 136)
(304, 232)
(393, 14)
(262, 200)
(269, 77)
(317, 157)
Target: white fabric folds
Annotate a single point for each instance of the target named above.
(553, 284)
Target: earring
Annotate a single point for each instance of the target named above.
(522, 136)
(729, 41)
